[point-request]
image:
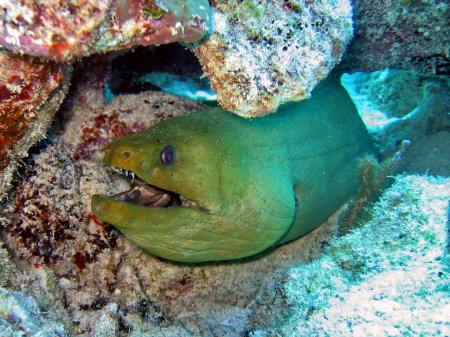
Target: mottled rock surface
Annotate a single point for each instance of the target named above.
(30, 94)
(266, 53)
(20, 315)
(64, 30)
(403, 34)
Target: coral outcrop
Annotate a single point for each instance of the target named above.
(31, 91)
(403, 34)
(64, 30)
(266, 53)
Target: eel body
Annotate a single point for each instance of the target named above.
(214, 186)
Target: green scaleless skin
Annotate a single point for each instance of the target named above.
(256, 183)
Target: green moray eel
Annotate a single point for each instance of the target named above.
(214, 186)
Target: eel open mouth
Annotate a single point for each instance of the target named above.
(144, 194)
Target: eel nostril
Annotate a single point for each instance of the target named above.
(126, 155)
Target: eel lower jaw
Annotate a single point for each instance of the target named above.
(145, 194)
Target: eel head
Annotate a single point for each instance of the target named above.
(193, 197)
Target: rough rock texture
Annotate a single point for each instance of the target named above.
(63, 30)
(99, 276)
(389, 277)
(403, 34)
(265, 53)
(20, 315)
(30, 94)
(398, 105)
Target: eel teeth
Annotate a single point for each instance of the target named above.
(145, 194)
(122, 171)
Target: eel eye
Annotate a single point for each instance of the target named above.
(168, 155)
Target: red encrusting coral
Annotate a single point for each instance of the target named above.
(31, 91)
(82, 258)
(65, 30)
(25, 84)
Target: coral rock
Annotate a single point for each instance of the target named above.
(30, 94)
(62, 30)
(266, 53)
(22, 316)
(406, 34)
